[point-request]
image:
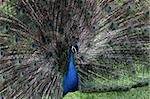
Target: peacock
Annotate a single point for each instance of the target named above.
(49, 48)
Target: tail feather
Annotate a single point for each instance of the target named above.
(120, 48)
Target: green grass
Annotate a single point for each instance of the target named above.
(138, 93)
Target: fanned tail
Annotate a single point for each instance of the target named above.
(117, 57)
(35, 37)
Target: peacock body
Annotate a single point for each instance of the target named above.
(51, 47)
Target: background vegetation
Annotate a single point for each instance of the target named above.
(138, 93)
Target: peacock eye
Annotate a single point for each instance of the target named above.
(18, 61)
(6, 28)
(33, 46)
(129, 8)
(145, 30)
(113, 26)
(22, 11)
(1, 53)
(81, 2)
(17, 39)
(88, 14)
(146, 14)
(61, 30)
(94, 28)
(108, 8)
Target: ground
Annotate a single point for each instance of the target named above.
(138, 93)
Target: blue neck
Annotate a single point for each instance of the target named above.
(71, 62)
(70, 82)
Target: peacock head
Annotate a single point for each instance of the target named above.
(71, 52)
(74, 49)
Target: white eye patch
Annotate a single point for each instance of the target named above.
(74, 50)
